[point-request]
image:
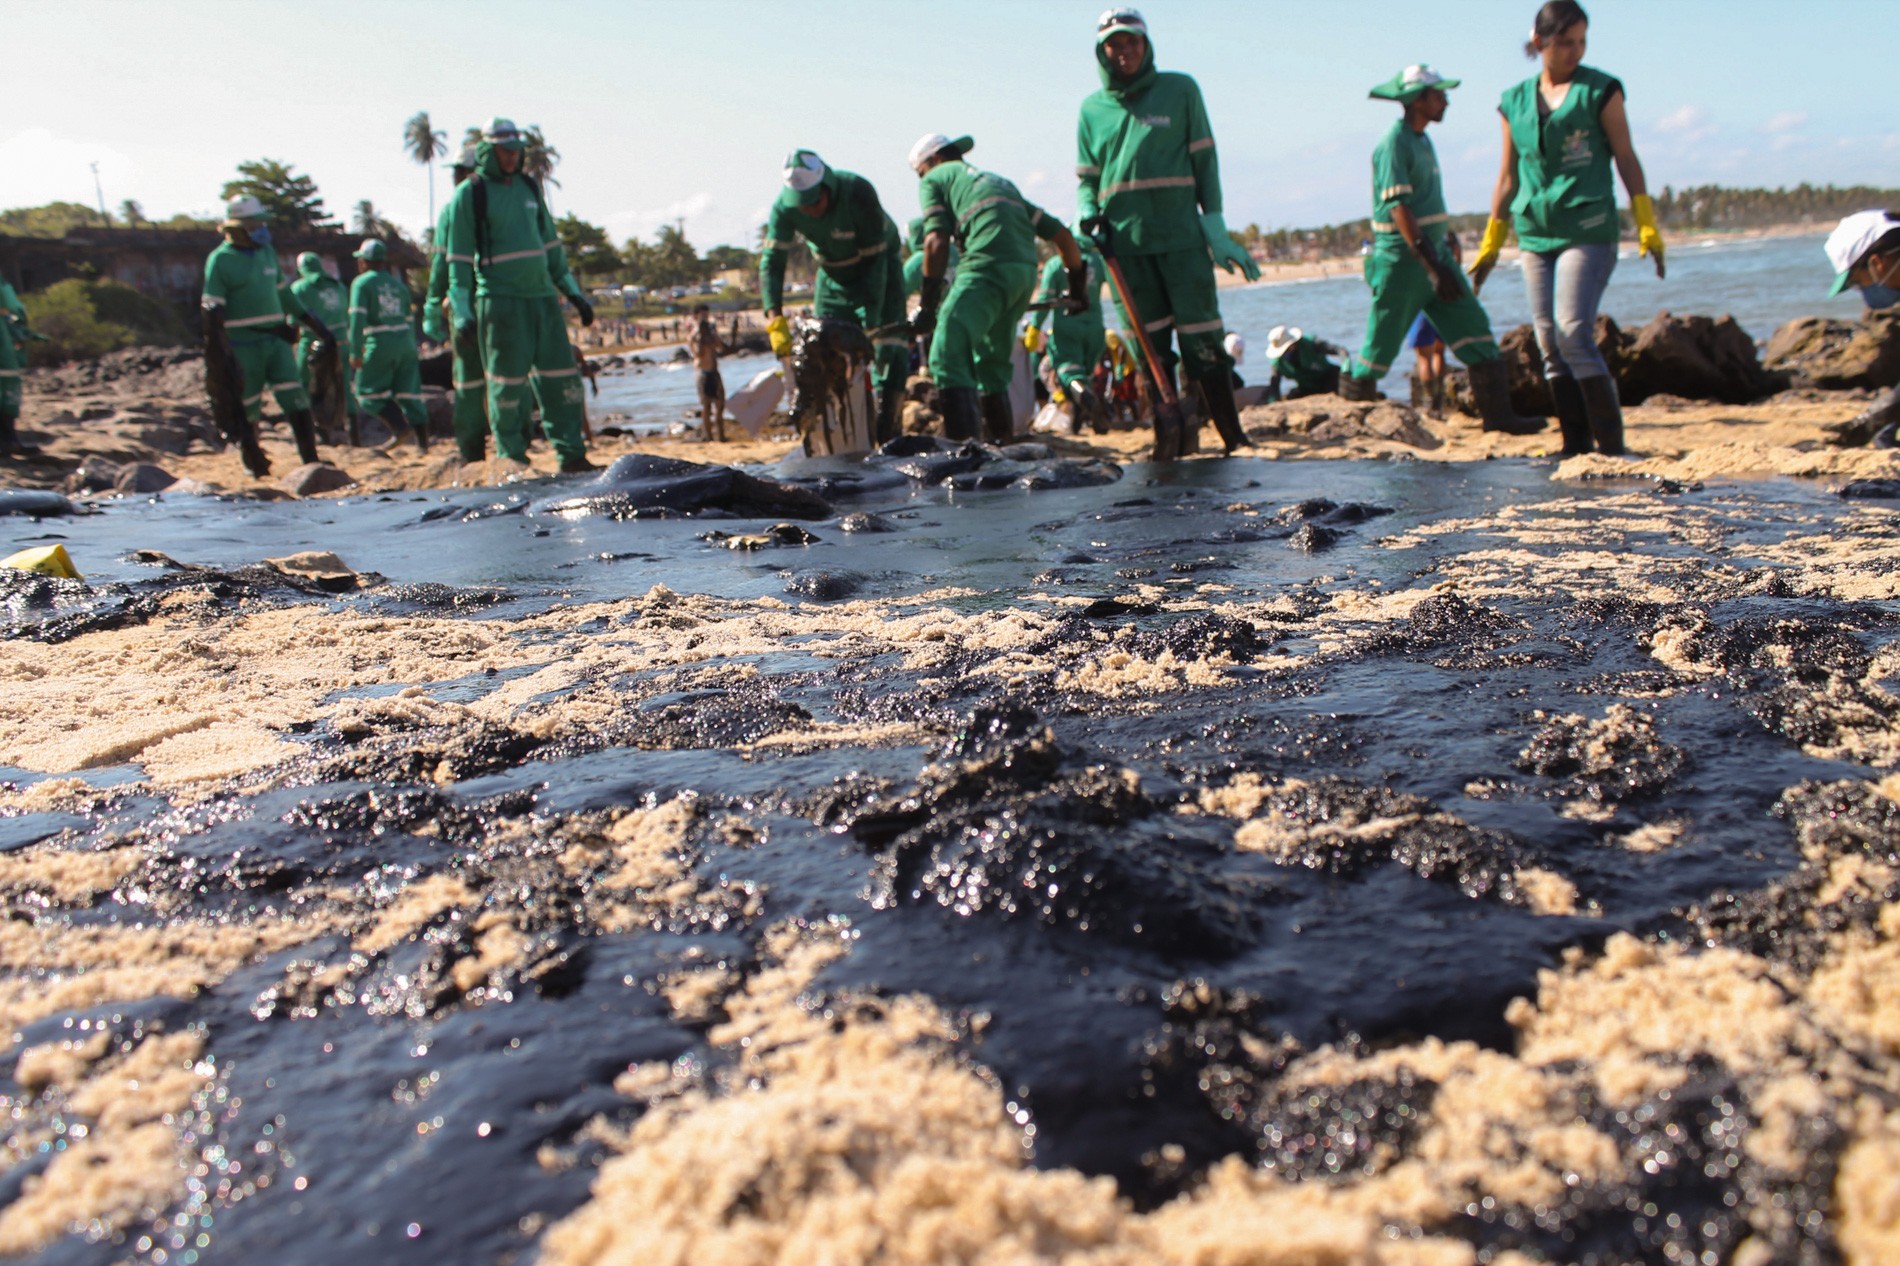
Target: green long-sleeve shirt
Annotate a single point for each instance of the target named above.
(846, 240)
(1145, 159)
(433, 322)
(512, 250)
(249, 287)
(323, 297)
(986, 214)
(379, 311)
(1055, 284)
(1405, 174)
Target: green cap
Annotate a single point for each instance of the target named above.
(373, 250)
(1410, 82)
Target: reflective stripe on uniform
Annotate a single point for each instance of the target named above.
(10, 373)
(502, 259)
(778, 246)
(467, 386)
(890, 342)
(355, 311)
(1156, 182)
(384, 329)
(1386, 226)
(276, 319)
(286, 386)
(507, 382)
(1393, 191)
(1206, 142)
(1377, 369)
(1162, 324)
(407, 395)
(862, 255)
(999, 199)
(1083, 169)
(1202, 327)
(461, 259)
(1466, 342)
(550, 373)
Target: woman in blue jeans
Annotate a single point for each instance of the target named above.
(1564, 129)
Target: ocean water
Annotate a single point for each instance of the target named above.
(1761, 282)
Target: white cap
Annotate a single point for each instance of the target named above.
(245, 208)
(500, 131)
(1852, 238)
(1281, 337)
(803, 171)
(931, 143)
(1120, 19)
(1236, 346)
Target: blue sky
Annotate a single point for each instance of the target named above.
(685, 110)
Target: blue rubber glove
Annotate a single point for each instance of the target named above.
(1227, 252)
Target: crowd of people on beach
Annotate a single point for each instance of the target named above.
(1150, 230)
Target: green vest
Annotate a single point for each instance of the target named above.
(1566, 192)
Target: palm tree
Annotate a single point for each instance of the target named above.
(425, 144)
(540, 159)
(132, 213)
(365, 219)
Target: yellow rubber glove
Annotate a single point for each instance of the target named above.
(1495, 233)
(1032, 339)
(779, 331)
(1648, 239)
(1059, 395)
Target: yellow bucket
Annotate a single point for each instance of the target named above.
(48, 560)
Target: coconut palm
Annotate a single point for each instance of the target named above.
(539, 159)
(425, 144)
(131, 213)
(367, 220)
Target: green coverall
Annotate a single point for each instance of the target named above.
(469, 388)
(1077, 343)
(859, 274)
(1306, 365)
(257, 303)
(974, 344)
(1145, 159)
(12, 360)
(324, 296)
(506, 278)
(382, 338)
(1405, 173)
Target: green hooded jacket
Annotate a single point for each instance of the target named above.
(433, 323)
(322, 296)
(521, 256)
(1145, 159)
(379, 311)
(847, 239)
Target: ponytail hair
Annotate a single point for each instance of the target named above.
(1553, 20)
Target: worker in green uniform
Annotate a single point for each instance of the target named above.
(1564, 128)
(1076, 341)
(13, 332)
(972, 346)
(1306, 362)
(1146, 163)
(507, 273)
(324, 296)
(859, 275)
(383, 345)
(1410, 268)
(249, 303)
(468, 389)
(914, 261)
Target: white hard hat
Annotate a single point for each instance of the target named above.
(245, 208)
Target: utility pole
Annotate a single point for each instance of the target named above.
(101, 191)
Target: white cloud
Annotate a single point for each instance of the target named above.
(1786, 121)
(42, 167)
(1690, 122)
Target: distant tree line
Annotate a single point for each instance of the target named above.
(668, 260)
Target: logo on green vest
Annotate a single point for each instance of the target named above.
(1577, 150)
(1156, 120)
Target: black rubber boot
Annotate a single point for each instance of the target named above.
(1572, 418)
(1605, 412)
(1217, 392)
(1438, 398)
(252, 454)
(962, 415)
(304, 428)
(1358, 390)
(890, 412)
(1491, 391)
(999, 419)
(577, 465)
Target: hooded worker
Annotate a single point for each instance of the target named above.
(248, 306)
(1146, 164)
(1410, 267)
(860, 277)
(383, 345)
(1077, 340)
(972, 346)
(468, 387)
(325, 297)
(13, 332)
(507, 273)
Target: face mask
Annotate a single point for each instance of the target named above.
(1879, 296)
(260, 236)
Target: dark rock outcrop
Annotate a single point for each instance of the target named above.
(1838, 355)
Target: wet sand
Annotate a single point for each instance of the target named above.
(1525, 887)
